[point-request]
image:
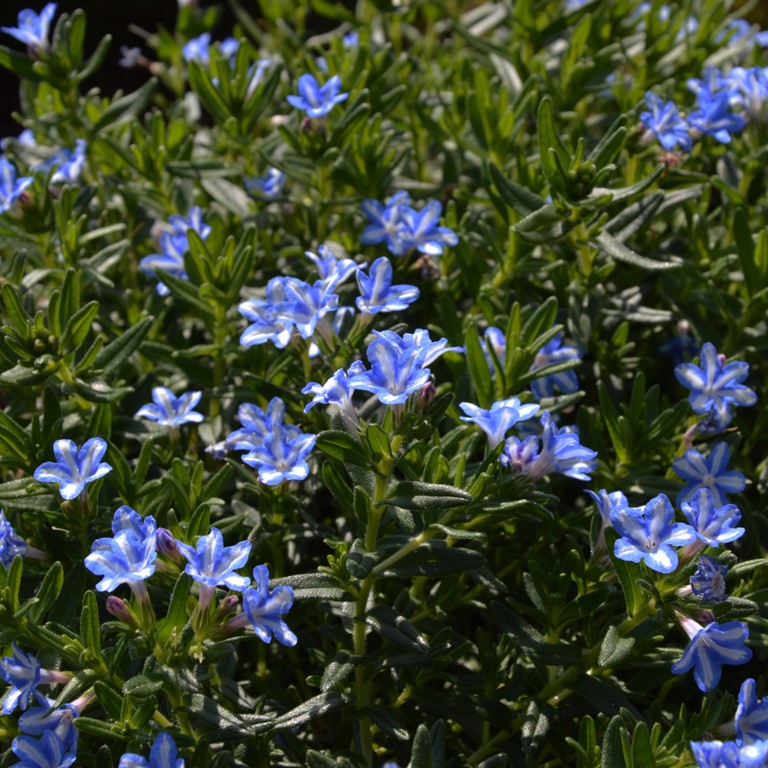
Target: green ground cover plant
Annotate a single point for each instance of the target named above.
(382, 385)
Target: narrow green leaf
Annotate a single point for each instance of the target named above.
(119, 350)
(342, 446)
(479, 370)
(618, 251)
(78, 326)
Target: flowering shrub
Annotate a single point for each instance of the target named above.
(385, 387)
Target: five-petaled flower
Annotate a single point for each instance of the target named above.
(715, 386)
(650, 534)
(377, 294)
(317, 100)
(164, 754)
(709, 648)
(708, 582)
(33, 27)
(11, 186)
(713, 525)
(710, 473)
(751, 715)
(553, 352)
(281, 457)
(74, 468)
(665, 123)
(171, 411)
(500, 418)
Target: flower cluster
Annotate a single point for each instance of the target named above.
(402, 228)
(174, 242)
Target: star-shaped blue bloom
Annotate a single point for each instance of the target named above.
(11, 544)
(708, 582)
(499, 419)
(257, 424)
(211, 564)
(303, 305)
(395, 373)
(269, 185)
(749, 89)
(650, 535)
(337, 393)
(711, 647)
(170, 259)
(751, 715)
(713, 525)
(22, 672)
(68, 163)
(264, 609)
(421, 340)
(566, 382)
(281, 457)
(377, 294)
(49, 751)
(37, 720)
(264, 324)
(717, 754)
(171, 411)
(129, 557)
(608, 502)
(33, 27)
(699, 472)
(317, 100)
(332, 270)
(387, 224)
(423, 230)
(180, 225)
(715, 386)
(714, 116)
(73, 469)
(197, 49)
(664, 122)
(11, 187)
(164, 754)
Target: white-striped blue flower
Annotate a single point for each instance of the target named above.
(33, 28)
(73, 468)
(710, 473)
(171, 411)
(708, 582)
(712, 524)
(751, 715)
(11, 186)
(281, 457)
(264, 608)
(500, 418)
(377, 294)
(164, 754)
(317, 100)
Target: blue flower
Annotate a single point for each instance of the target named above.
(211, 564)
(11, 187)
(494, 339)
(171, 411)
(33, 28)
(387, 223)
(665, 123)
(315, 100)
(164, 754)
(303, 304)
(608, 502)
(264, 608)
(709, 473)
(73, 469)
(257, 423)
(68, 164)
(395, 373)
(330, 269)
(130, 56)
(129, 557)
(197, 49)
(751, 715)
(11, 544)
(170, 260)
(377, 294)
(501, 417)
(709, 648)
(269, 185)
(551, 353)
(714, 116)
(749, 89)
(715, 386)
(708, 582)
(716, 754)
(49, 751)
(193, 220)
(560, 452)
(280, 456)
(337, 393)
(422, 230)
(22, 672)
(419, 339)
(37, 720)
(650, 534)
(265, 325)
(713, 525)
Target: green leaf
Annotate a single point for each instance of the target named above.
(519, 199)
(19, 64)
(90, 631)
(479, 370)
(336, 672)
(127, 107)
(642, 750)
(395, 628)
(614, 648)
(16, 314)
(612, 754)
(535, 729)
(309, 710)
(410, 494)
(313, 586)
(119, 350)
(97, 390)
(342, 446)
(48, 592)
(553, 154)
(436, 558)
(609, 245)
(176, 617)
(78, 326)
(745, 247)
(421, 755)
(141, 686)
(628, 574)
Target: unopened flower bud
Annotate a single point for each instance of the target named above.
(118, 608)
(166, 544)
(426, 396)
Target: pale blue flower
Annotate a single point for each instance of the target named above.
(608, 502)
(423, 231)
(387, 225)
(11, 187)
(37, 720)
(665, 123)
(559, 450)
(68, 163)
(377, 294)
(712, 524)
(699, 472)
(11, 544)
(164, 754)
(337, 393)
(193, 220)
(129, 557)
(714, 116)
(211, 564)
(715, 386)
(330, 268)
(494, 339)
(171, 411)
(565, 382)
(716, 754)
(711, 647)
(708, 582)
(395, 373)
(257, 423)
(303, 304)
(317, 100)
(281, 457)
(751, 715)
(264, 609)
(197, 49)
(74, 468)
(749, 89)
(170, 260)
(501, 417)
(49, 751)
(269, 185)
(22, 672)
(130, 56)
(264, 323)
(650, 534)
(33, 28)
(419, 339)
